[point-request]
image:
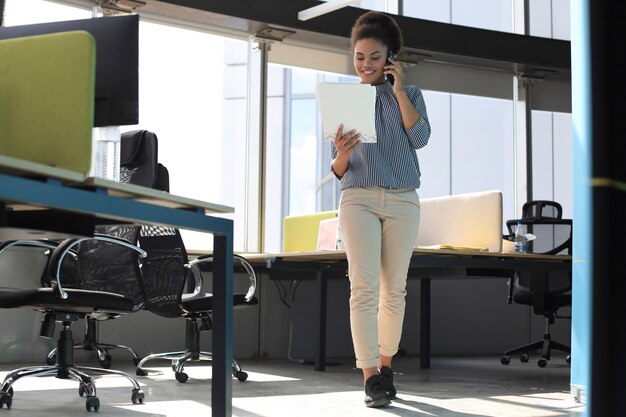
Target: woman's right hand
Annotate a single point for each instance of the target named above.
(346, 144)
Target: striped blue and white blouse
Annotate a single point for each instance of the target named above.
(392, 161)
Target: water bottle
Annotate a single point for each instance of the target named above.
(339, 239)
(520, 238)
(107, 146)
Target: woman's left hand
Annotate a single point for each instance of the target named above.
(394, 68)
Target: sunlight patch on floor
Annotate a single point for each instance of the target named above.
(555, 400)
(204, 372)
(170, 408)
(315, 405)
(478, 406)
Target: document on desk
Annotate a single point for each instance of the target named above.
(455, 247)
(352, 105)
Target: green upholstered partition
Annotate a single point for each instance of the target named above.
(47, 99)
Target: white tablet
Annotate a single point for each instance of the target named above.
(352, 105)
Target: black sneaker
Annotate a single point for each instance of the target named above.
(375, 395)
(386, 380)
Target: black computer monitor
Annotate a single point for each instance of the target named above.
(117, 63)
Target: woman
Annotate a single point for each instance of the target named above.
(379, 208)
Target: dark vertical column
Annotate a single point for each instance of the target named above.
(608, 96)
(528, 114)
(320, 324)
(221, 384)
(425, 323)
(2, 2)
(529, 139)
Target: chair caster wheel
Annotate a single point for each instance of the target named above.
(182, 377)
(51, 360)
(505, 360)
(241, 376)
(542, 363)
(106, 362)
(524, 357)
(92, 403)
(81, 390)
(141, 372)
(137, 396)
(568, 359)
(6, 399)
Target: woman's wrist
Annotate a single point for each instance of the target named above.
(339, 165)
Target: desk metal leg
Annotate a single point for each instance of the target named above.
(221, 385)
(425, 323)
(322, 298)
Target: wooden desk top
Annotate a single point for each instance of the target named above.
(340, 255)
(19, 167)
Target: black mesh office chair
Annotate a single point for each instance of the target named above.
(95, 277)
(139, 166)
(168, 274)
(545, 291)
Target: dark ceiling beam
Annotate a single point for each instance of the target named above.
(439, 41)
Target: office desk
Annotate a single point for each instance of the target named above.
(39, 201)
(426, 264)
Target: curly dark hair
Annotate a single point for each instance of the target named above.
(378, 26)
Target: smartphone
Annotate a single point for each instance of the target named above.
(390, 59)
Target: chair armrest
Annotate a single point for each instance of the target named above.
(243, 261)
(197, 275)
(65, 247)
(47, 244)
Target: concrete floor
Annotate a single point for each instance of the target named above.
(467, 386)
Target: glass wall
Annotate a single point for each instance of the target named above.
(552, 159)
(298, 158)
(484, 14)
(194, 91)
(25, 12)
(478, 131)
(192, 94)
(550, 19)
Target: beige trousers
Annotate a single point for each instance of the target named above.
(379, 228)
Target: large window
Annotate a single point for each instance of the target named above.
(472, 148)
(298, 174)
(25, 12)
(195, 93)
(192, 94)
(552, 158)
(484, 14)
(548, 18)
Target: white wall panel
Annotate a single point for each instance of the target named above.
(485, 14)
(563, 162)
(434, 158)
(482, 147)
(543, 182)
(438, 11)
